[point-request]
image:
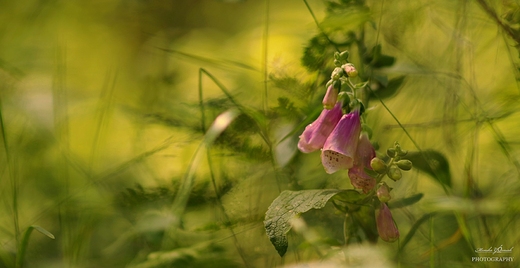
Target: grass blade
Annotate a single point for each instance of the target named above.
(25, 242)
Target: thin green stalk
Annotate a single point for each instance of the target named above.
(265, 47)
(319, 26)
(20, 256)
(201, 103)
(410, 137)
(258, 117)
(103, 109)
(181, 198)
(212, 175)
(225, 63)
(61, 132)
(379, 23)
(23, 248)
(13, 179)
(506, 28)
(432, 244)
(223, 210)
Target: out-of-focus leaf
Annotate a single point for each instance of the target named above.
(390, 89)
(407, 201)
(433, 163)
(414, 229)
(25, 242)
(199, 255)
(286, 206)
(43, 231)
(348, 200)
(383, 61)
(347, 19)
(377, 59)
(365, 217)
(314, 54)
(382, 79)
(220, 123)
(486, 206)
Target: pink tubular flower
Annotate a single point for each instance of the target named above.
(364, 154)
(316, 133)
(383, 193)
(331, 97)
(360, 179)
(340, 147)
(385, 224)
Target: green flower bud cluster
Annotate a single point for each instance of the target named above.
(394, 166)
(383, 192)
(339, 84)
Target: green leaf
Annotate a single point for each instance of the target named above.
(414, 229)
(433, 163)
(348, 200)
(365, 218)
(43, 231)
(314, 55)
(389, 90)
(377, 59)
(349, 19)
(407, 201)
(383, 61)
(25, 242)
(287, 205)
(481, 206)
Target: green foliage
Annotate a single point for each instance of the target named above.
(433, 163)
(414, 229)
(201, 255)
(101, 118)
(377, 59)
(386, 88)
(314, 56)
(25, 242)
(404, 202)
(289, 204)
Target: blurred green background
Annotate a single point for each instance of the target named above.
(101, 118)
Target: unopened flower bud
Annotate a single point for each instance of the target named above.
(385, 224)
(397, 146)
(336, 55)
(404, 164)
(336, 74)
(383, 193)
(394, 173)
(378, 165)
(331, 97)
(403, 152)
(350, 70)
(390, 152)
(343, 55)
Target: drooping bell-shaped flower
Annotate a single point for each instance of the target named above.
(316, 133)
(331, 97)
(385, 224)
(383, 193)
(360, 179)
(350, 70)
(340, 147)
(364, 152)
